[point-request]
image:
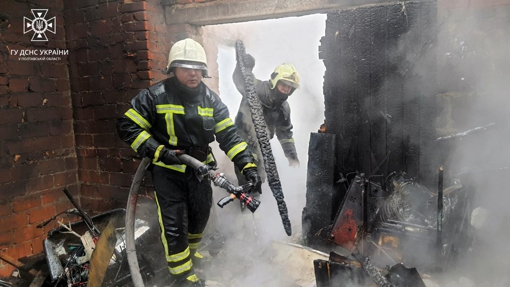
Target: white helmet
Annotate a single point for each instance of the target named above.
(187, 53)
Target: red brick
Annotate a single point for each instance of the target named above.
(110, 164)
(5, 205)
(120, 179)
(11, 116)
(73, 16)
(54, 70)
(127, 17)
(132, 7)
(6, 239)
(38, 129)
(13, 222)
(108, 10)
(39, 183)
(83, 140)
(87, 152)
(143, 55)
(43, 114)
(60, 127)
(104, 140)
(92, 99)
(9, 132)
(84, 113)
(89, 190)
(37, 244)
(98, 205)
(140, 45)
(102, 126)
(29, 100)
(16, 8)
(87, 163)
(42, 85)
(49, 166)
(25, 203)
(40, 214)
(101, 83)
(121, 81)
(101, 28)
(18, 85)
(6, 270)
(28, 233)
(65, 113)
(90, 176)
(107, 67)
(13, 189)
(63, 85)
(64, 178)
(141, 84)
(85, 3)
(52, 196)
(68, 143)
(137, 26)
(57, 100)
(71, 163)
(145, 75)
(99, 54)
(104, 112)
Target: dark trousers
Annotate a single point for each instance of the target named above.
(184, 205)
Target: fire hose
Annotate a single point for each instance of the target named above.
(261, 132)
(202, 171)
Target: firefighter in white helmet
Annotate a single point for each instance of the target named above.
(182, 115)
(273, 95)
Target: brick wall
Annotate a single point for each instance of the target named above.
(37, 155)
(117, 48)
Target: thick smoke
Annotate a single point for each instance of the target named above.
(270, 42)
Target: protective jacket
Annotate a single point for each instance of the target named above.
(276, 114)
(172, 115)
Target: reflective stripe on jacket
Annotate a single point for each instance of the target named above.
(164, 114)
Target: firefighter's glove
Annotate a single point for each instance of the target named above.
(293, 161)
(169, 156)
(253, 176)
(248, 61)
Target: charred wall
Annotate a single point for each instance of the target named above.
(379, 93)
(379, 87)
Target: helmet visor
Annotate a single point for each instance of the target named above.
(189, 65)
(290, 83)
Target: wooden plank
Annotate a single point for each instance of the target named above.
(102, 254)
(38, 280)
(14, 262)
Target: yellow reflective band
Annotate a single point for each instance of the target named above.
(194, 236)
(192, 278)
(198, 255)
(194, 245)
(161, 226)
(181, 268)
(236, 149)
(223, 125)
(248, 165)
(291, 140)
(176, 167)
(210, 158)
(175, 109)
(169, 111)
(138, 119)
(206, 112)
(140, 139)
(179, 256)
(156, 153)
